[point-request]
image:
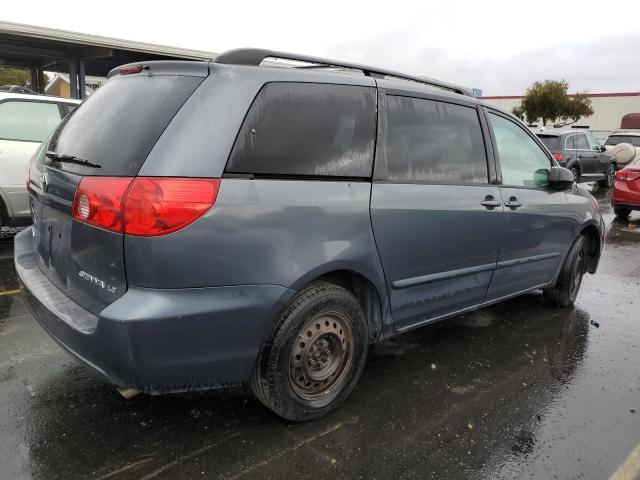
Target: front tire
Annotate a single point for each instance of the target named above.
(314, 355)
(622, 213)
(565, 291)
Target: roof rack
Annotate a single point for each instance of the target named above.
(255, 56)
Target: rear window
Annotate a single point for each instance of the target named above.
(117, 126)
(307, 129)
(616, 139)
(432, 141)
(551, 142)
(27, 121)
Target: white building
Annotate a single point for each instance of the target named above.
(608, 110)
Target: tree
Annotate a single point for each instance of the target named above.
(14, 76)
(549, 102)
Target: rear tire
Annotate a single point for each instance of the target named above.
(314, 355)
(565, 291)
(622, 213)
(610, 177)
(576, 173)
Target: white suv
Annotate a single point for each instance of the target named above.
(25, 121)
(625, 145)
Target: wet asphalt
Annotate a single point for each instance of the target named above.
(518, 390)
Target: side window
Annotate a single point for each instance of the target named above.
(570, 143)
(593, 143)
(307, 129)
(522, 161)
(27, 121)
(581, 142)
(432, 141)
(71, 106)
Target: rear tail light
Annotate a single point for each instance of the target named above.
(628, 175)
(157, 206)
(557, 156)
(143, 205)
(99, 201)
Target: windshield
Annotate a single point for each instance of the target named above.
(616, 139)
(551, 142)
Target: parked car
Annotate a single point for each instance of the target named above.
(581, 153)
(201, 224)
(624, 145)
(25, 121)
(626, 190)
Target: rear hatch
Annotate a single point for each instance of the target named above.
(109, 135)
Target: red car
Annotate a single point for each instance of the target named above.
(626, 190)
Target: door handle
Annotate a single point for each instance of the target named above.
(512, 203)
(490, 202)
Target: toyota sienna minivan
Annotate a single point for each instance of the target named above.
(204, 224)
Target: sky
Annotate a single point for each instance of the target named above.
(501, 47)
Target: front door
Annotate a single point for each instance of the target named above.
(602, 159)
(436, 218)
(588, 157)
(537, 223)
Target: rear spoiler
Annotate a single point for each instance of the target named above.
(163, 67)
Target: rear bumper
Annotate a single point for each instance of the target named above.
(624, 196)
(627, 206)
(157, 340)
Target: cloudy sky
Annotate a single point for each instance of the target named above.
(499, 46)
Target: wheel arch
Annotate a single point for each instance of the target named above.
(576, 163)
(593, 245)
(372, 296)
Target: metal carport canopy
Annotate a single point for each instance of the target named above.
(78, 54)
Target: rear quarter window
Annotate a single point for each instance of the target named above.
(307, 129)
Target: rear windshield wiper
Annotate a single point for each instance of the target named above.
(63, 157)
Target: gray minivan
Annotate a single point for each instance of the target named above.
(202, 224)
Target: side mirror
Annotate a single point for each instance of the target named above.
(560, 178)
(603, 148)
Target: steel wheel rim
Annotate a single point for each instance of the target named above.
(576, 275)
(321, 356)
